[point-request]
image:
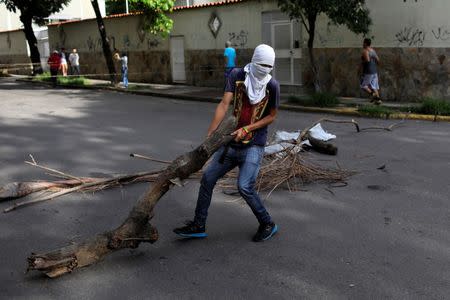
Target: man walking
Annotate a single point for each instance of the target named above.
(256, 99)
(74, 60)
(369, 78)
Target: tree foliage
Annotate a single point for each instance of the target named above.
(37, 10)
(351, 13)
(155, 12)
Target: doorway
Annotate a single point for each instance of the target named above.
(284, 36)
(177, 59)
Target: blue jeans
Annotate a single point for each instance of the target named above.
(125, 77)
(248, 160)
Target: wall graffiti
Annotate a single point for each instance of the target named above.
(62, 35)
(8, 40)
(441, 33)
(411, 36)
(238, 39)
(94, 45)
(126, 41)
(152, 43)
(416, 37)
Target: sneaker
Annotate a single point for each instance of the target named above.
(191, 230)
(265, 232)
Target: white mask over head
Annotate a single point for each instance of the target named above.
(257, 76)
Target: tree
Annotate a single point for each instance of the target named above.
(155, 22)
(34, 11)
(105, 42)
(351, 13)
(155, 19)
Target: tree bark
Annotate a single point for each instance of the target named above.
(136, 228)
(312, 29)
(105, 43)
(32, 43)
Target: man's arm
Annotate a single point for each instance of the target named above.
(241, 133)
(221, 110)
(377, 59)
(365, 55)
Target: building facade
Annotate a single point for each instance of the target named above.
(412, 39)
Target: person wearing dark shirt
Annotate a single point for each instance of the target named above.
(254, 96)
(54, 61)
(369, 77)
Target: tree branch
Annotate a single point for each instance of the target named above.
(66, 259)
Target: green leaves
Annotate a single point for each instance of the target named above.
(155, 12)
(351, 13)
(37, 10)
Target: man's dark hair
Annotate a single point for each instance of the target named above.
(367, 41)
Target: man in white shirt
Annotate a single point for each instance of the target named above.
(74, 60)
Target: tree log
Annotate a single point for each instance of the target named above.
(321, 146)
(136, 228)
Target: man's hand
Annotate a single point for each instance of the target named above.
(239, 134)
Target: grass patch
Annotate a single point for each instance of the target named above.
(317, 99)
(375, 111)
(430, 106)
(43, 77)
(80, 80)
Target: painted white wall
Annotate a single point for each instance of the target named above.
(396, 23)
(241, 24)
(13, 43)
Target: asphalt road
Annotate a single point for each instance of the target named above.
(384, 235)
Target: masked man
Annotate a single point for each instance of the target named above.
(254, 95)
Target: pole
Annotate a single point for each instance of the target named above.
(126, 6)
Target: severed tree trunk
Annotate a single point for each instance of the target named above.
(35, 57)
(136, 228)
(105, 43)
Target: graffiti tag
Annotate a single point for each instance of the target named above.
(411, 36)
(441, 33)
(152, 43)
(239, 39)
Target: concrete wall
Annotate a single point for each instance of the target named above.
(149, 55)
(14, 53)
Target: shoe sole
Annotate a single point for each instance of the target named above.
(193, 235)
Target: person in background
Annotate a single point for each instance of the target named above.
(369, 77)
(63, 62)
(54, 61)
(230, 59)
(124, 60)
(74, 60)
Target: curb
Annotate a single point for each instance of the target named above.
(344, 111)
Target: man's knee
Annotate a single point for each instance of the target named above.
(208, 181)
(246, 189)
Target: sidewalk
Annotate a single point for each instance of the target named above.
(348, 106)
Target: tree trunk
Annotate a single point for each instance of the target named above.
(32, 43)
(136, 228)
(312, 29)
(105, 43)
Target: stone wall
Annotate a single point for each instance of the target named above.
(206, 67)
(406, 74)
